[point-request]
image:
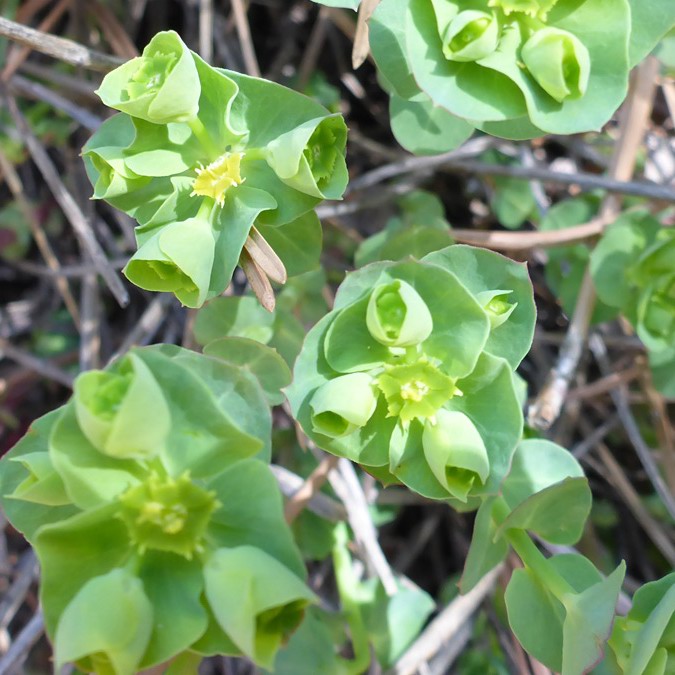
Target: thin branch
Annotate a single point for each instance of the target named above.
(445, 626)
(244, 32)
(73, 213)
(59, 48)
(44, 368)
(311, 486)
(633, 122)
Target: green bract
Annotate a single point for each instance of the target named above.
(512, 68)
(199, 156)
(643, 642)
(633, 270)
(411, 374)
(157, 526)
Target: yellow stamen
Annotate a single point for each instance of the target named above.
(215, 179)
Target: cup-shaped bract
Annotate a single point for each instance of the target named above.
(343, 405)
(123, 412)
(106, 627)
(311, 157)
(471, 35)
(656, 314)
(176, 258)
(496, 306)
(397, 316)
(559, 62)
(643, 641)
(161, 86)
(455, 452)
(256, 600)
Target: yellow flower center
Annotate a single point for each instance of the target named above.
(215, 179)
(414, 391)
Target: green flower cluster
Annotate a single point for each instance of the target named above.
(643, 642)
(201, 157)
(411, 374)
(633, 268)
(512, 68)
(158, 526)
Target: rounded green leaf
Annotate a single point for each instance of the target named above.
(263, 362)
(482, 271)
(424, 128)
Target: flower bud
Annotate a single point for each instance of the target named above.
(455, 452)
(397, 316)
(559, 62)
(310, 158)
(176, 258)
(161, 86)
(43, 485)
(496, 307)
(343, 405)
(470, 36)
(123, 413)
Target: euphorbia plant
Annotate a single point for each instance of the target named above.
(397, 381)
(215, 166)
(157, 524)
(512, 68)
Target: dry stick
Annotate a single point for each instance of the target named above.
(16, 58)
(634, 119)
(361, 47)
(90, 343)
(113, 30)
(521, 241)
(62, 286)
(244, 33)
(605, 384)
(303, 495)
(26, 572)
(147, 325)
(620, 398)
(313, 49)
(457, 160)
(59, 48)
(206, 30)
(44, 368)
(29, 88)
(11, 662)
(445, 626)
(664, 428)
(347, 487)
(29, 9)
(616, 477)
(320, 504)
(65, 200)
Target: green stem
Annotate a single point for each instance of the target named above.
(206, 209)
(199, 130)
(531, 556)
(346, 582)
(255, 153)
